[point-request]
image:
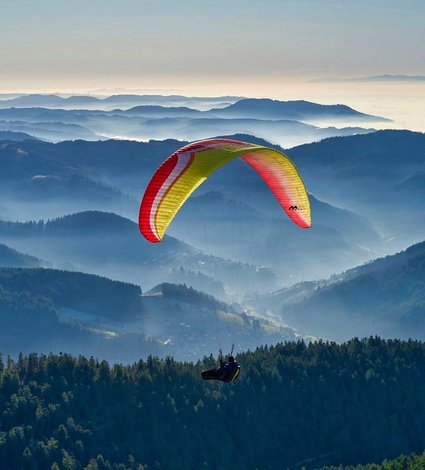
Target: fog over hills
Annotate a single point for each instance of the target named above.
(295, 110)
(385, 297)
(41, 180)
(110, 102)
(14, 259)
(110, 245)
(231, 239)
(15, 136)
(289, 123)
(78, 313)
(51, 131)
(384, 164)
(285, 132)
(373, 78)
(234, 229)
(238, 249)
(212, 235)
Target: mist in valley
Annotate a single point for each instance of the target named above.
(74, 206)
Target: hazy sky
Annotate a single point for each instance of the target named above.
(204, 44)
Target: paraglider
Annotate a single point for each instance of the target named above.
(227, 372)
(187, 168)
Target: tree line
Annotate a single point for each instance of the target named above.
(295, 406)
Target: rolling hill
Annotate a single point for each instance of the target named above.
(293, 110)
(51, 131)
(386, 165)
(232, 228)
(385, 297)
(111, 245)
(47, 310)
(15, 136)
(243, 222)
(350, 226)
(14, 259)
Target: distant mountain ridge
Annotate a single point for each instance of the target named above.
(162, 111)
(128, 100)
(373, 78)
(16, 136)
(294, 110)
(148, 103)
(51, 131)
(289, 123)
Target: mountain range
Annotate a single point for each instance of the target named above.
(43, 181)
(387, 165)
(111, 245)
(54, 118)
(374, 78)
(232, 248)
(15, 136)
(294, 110)
(231, 238)
(110, 102)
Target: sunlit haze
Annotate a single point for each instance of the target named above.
(259, 49)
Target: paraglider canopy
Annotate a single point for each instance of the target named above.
(187, 168)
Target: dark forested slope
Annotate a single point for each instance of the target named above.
(33, 303)
(404, 462)
(294, 406)
(14, 259)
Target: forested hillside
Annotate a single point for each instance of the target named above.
(232, 215)
(110, 245)
(294, 406)
(97, 295)
(409, 462)
(385, 297)
(48, 310)
(14, 259)
(33, 304)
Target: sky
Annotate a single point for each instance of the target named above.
(204, 46)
